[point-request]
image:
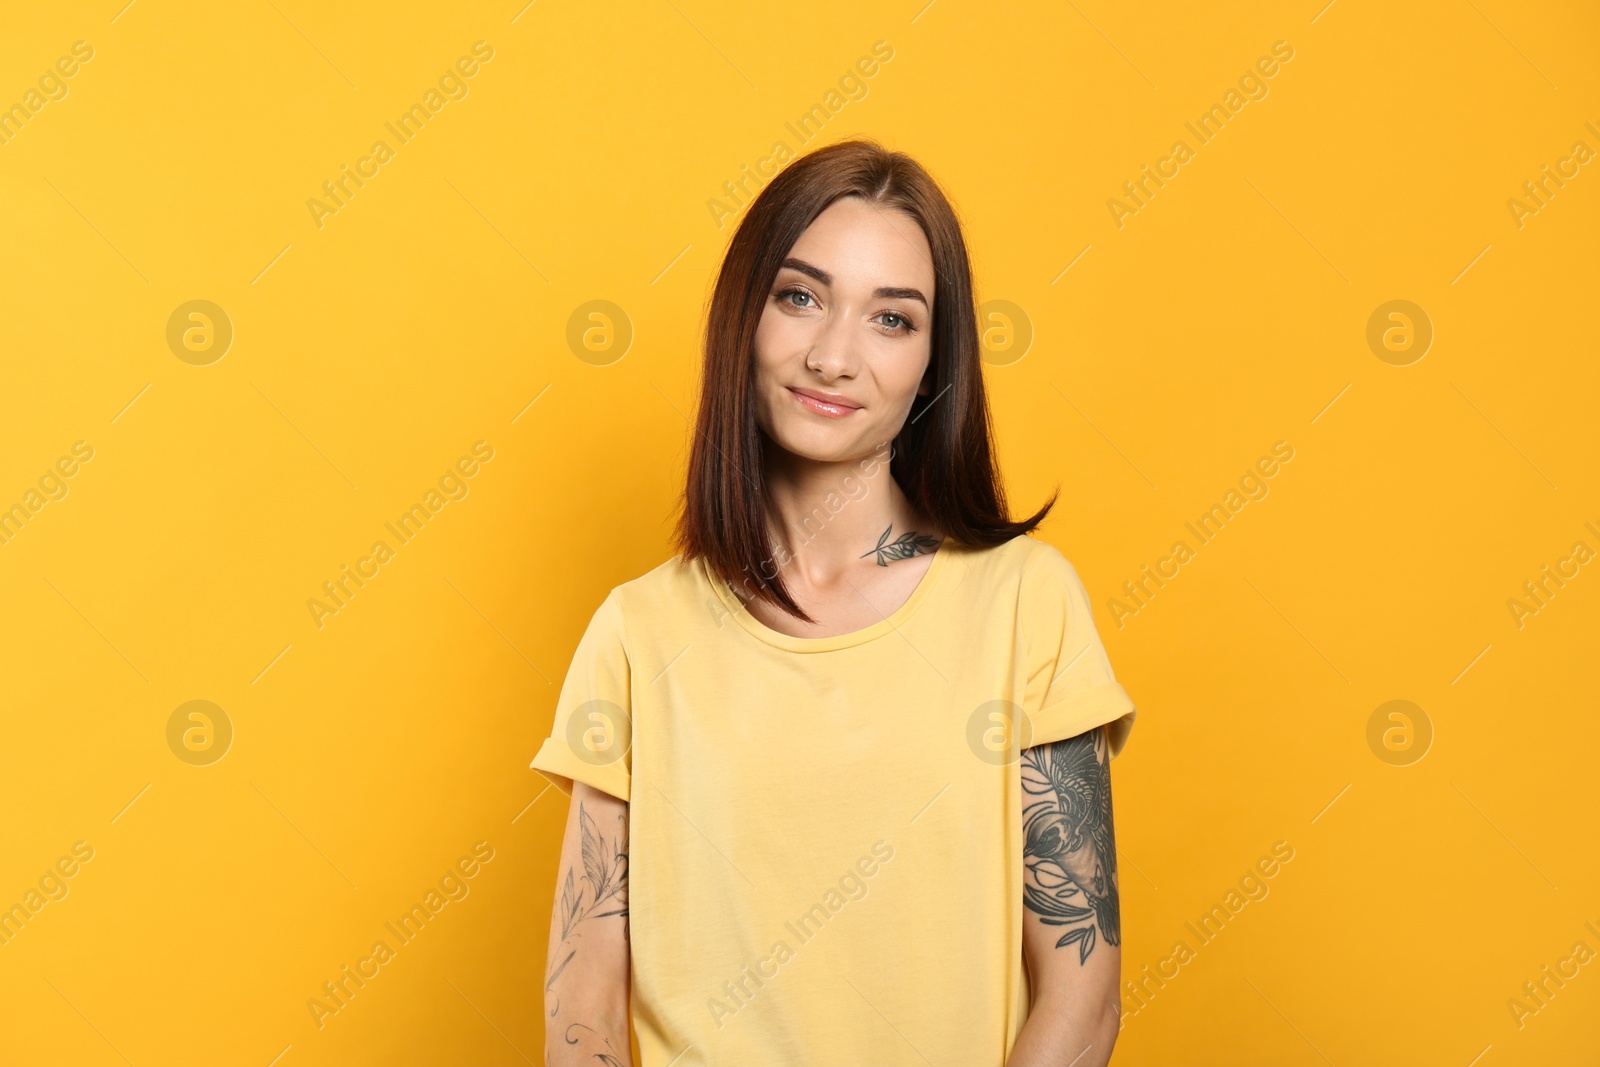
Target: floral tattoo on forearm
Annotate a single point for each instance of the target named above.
(1070, 854)
(601, 892)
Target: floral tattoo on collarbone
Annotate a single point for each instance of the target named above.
(1070, 852)
(601, 893)
(903, 547)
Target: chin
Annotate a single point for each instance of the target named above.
(816, 444)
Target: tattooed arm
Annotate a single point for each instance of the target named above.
(1071, 933)
(587, 973)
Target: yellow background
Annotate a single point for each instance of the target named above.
(431, 311)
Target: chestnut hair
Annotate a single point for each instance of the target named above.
(942, 458)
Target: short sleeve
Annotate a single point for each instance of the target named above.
(591, 736)
(1070, 685)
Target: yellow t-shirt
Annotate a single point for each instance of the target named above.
(825, 834)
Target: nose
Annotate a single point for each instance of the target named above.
(833, 349)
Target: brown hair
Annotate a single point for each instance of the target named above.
(942, 458)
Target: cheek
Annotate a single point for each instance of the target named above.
(764, 394)
(902, 376)
(774, 339)
(779, 357)
(778, 336)
(768, 352)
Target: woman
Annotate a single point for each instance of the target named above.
(840, 768)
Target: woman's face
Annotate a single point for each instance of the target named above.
(843, 342)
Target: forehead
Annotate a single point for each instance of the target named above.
(867, 245)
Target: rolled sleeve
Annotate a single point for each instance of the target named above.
(561, 765)
(591, 735)
(1070, 685)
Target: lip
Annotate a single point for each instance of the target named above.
(828, 405)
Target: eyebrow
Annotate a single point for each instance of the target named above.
(827, 279)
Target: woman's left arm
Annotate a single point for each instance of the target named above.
(1071, 931)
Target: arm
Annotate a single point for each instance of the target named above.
(587, 973)
(1071, 933)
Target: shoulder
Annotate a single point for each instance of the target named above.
(1046, 562)
(1023, 559)
(654, 602)
(1049, 590)
(1025, 577)
(667, 588)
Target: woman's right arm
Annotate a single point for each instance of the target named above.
(587, 973)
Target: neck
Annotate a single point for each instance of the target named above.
(827, 517)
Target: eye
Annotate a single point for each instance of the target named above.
(899, 325)
(795, 292)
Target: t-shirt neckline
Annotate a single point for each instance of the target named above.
(891, 622)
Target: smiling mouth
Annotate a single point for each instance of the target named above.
(832, 409)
